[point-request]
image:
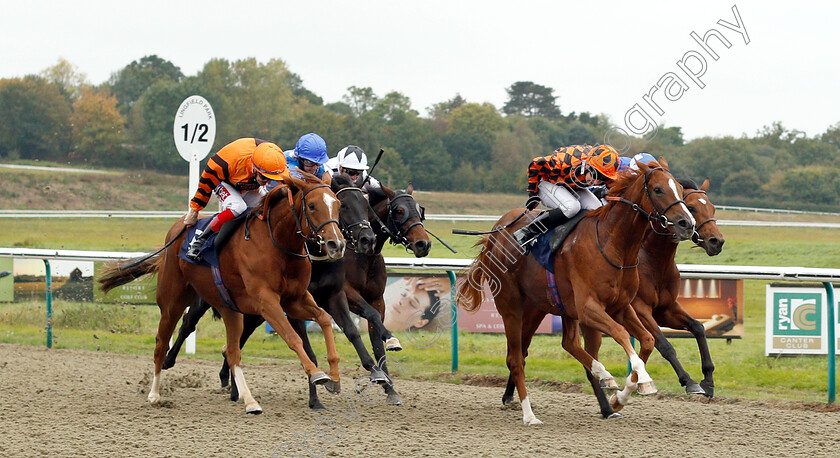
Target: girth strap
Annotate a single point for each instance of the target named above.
(223, 292)
(553, 293)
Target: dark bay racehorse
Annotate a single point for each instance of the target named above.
(595, 275)
(264, 274)
(656, 301)
(326, 286)
(395, 217)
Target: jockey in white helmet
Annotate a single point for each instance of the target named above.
(353, 161)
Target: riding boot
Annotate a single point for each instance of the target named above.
(194, 250)
(545, 221)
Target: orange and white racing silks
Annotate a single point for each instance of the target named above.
(233, 165)
(561, 166)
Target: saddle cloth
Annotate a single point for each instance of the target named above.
(547, 244)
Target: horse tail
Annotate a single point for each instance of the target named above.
(471, 290)
(114, 274)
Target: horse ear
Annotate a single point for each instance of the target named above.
(388, 192)
(643, 168)
(705, 185)
(409, 189)
(663, 162)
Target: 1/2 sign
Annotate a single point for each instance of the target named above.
(194, 128)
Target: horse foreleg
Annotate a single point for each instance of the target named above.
(276, 317)
(197, 310)
(628, 318)
(233, 331)
(337, 307)
(598, 376)
(300, 328)
(678, 318)
(593, 315)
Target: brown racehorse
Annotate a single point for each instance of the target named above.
(656, 301)
(595, 272)
(395, 217)
(265, 270)
(658, 284)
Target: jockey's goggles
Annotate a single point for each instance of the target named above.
(308, 163)
(352, 172)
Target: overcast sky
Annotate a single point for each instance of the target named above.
(600, 57)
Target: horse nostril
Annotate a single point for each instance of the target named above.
(333, 246)
(683, 223)
(422, 245)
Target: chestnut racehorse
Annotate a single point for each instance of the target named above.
(658, 285)
(264, 270)
(595, 275)
(656, 301)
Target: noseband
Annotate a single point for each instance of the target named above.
(696, 237)
(394, 227)
(347, 229)
(656, 216)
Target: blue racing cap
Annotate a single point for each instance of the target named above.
(312, 148)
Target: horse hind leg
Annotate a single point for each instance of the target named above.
(250, 324)
(171, 310)
(233, 330)
(197, 310)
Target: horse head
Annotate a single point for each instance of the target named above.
(317, 213)
(404, 221)
(706, 232)
(661, 199)
(353, 215)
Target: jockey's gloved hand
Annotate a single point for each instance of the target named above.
(191, 217)
(532, 202)
(600, 191)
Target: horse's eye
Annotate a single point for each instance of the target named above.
(312, 206)
(657, 190)
(691, 208)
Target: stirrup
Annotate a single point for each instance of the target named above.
(194, 250)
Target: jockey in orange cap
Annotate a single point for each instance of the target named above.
(238, 174)
(562, 183)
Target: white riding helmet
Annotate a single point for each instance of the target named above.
(352, 157)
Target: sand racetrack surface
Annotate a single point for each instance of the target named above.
(72, 402)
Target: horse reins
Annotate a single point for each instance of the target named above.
(346, 229)
(698, 226)
(656, 216)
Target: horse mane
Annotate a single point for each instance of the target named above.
(342, 180)
(282, 190)
(687, 183)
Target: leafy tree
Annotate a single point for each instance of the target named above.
(512, 152)
(360, 99)
(530, 99)
(444, 109)
(35, 119)
(67, 77)
(98, 127)
(580, 134)
(129, 83)
(744, 183)
(392, 108)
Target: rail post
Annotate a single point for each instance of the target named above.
(454, 306)
(832, 344)
(49, 302)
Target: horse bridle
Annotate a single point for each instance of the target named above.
(315, 239)
(696, 237)
(347, 229)
(394, 228)
(656, 216)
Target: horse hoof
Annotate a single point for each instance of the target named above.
(708, 390)
(333, 387)
(694, 388)
(378, 376)
(613, 415)
(167, 364)
(393, 344)
(253, 410)
(394, 399)
(154, 398)
(506, 400)
(608, 384)
(616, 406)
(532, 422)
(646, 389)
(317, 406)
(319, 378)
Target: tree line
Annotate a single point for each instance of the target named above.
(457, 145)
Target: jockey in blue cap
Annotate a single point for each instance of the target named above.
(309, 155)
(632, 162)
